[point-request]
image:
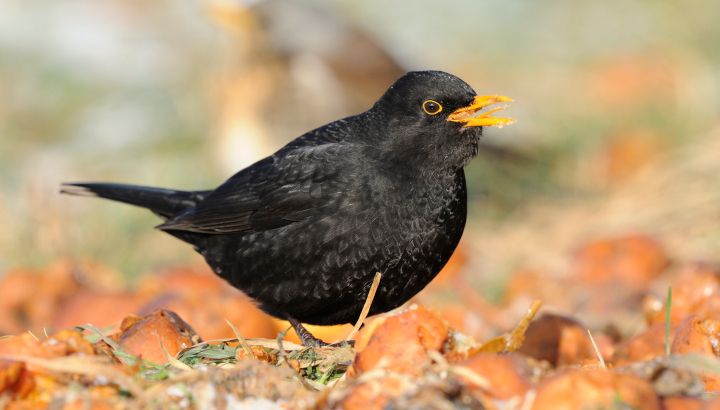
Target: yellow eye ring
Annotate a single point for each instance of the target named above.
(432, 107)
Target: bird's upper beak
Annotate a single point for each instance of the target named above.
(467, 114)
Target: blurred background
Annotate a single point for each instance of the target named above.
(618, 132)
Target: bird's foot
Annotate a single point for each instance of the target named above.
(307, 338)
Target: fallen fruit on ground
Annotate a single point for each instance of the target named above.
(169, 344)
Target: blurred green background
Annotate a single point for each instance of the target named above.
(183, 94)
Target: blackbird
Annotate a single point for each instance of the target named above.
(304, 231)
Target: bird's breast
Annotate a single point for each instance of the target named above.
(413, 216)
(414, 230)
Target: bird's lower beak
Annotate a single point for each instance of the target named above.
(467, 114)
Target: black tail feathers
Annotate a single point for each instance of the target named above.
(164, 202)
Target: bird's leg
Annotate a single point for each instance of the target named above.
(308, 340)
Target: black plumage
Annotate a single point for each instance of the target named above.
(304, 230)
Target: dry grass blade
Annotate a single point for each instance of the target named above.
(315, 385)
(696, 362)
(668, 306)
(88, 366)
(597, 351)
(267, 343)
(366, 308)
(273, 344)
(284, 355)
(92, 328)
(468, 374)
(241, 340)
(173, 361)
(529, 399)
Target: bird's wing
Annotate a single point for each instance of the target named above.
(277, 191)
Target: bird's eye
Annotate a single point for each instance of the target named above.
(432, 107)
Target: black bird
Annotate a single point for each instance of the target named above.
(304, 231)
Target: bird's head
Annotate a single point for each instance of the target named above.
(430, 117)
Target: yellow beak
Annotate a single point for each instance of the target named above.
(467, 114)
